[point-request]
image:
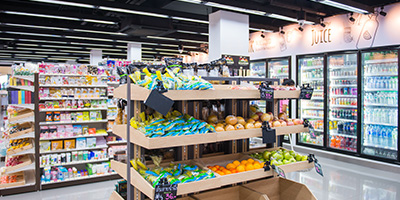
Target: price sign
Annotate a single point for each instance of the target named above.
(157, 101)
(266, 92)
(280, 172)
(318, 167)
(268, 134)
(165, 191)
(306, 92)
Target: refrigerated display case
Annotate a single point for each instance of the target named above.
(258, 68)
(278, 67)
(380, 81)
(342, 101)
(311, 71)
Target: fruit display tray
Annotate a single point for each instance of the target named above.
(20, 180)
(115, 196)
(19, 133)
(140, 139)
(22, 116)
(219, 92)
(15, 151)
(26, 160)
(146, 188)
(232, 193)
(223, 160)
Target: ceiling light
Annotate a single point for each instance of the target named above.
(35, 49)
(89, 38)
(101, 32)
(191, 32)
(60, 47)
(35, 26)
(66, 3)
(33, 34)
(383, 13)
(83, 52)
(174, 39)
(262, 30)
(300, 29)
(58, 17)
(29, 45)
(132, 12)
(352, 18)
(341, 6)
(87, 44)
(99, 21)
(190, 20)
(48, 41)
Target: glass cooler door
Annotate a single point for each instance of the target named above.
(380, 104)
(278, 68)
(342, 102)
(311, 71)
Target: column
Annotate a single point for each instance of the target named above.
(96, 56)
(134, 51)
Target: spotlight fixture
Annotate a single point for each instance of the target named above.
(352, 18)
(301, 29)
(282, 32)
(383, 13)
(180, 48)
(322, 23)
(262, 34)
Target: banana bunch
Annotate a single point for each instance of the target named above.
(156, 160)
(172, 80)
(173, 124)
(137, 163)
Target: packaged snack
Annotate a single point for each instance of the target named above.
(61, 130)
(96, 93)
(80, 143)
(91, 142)
(67, 104)
(49, 116)
(64, 93)
(79, 116)
(56, 104)
(78, 93)
(45, 146)
(86, 104)
(85, 130)
(44, 132)
(70, 93)
(42, 106)
(92, 131)
(49, 105)
(93, 115)
(61, 104)
(69, 129)
(62, 117)
(103, 92)
(74, 104)
(90, 93)
(57, 116)
(73, 117)
(47, 80)
(65, 80)
(53, 131)
(69, 144)
(86, 116)
(80, 104)
(56, 145)
(85, 93)
(68, 116)
(77, 130)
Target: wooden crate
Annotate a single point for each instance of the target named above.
(15, 151)
(26, 160)
(20, 180)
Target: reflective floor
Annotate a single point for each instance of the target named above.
(341, 181)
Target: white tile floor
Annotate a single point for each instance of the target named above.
(342, 181)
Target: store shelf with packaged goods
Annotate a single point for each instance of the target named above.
(77, 136)
(352, 85)
(380, 123)
(81, 178)
(74, 86)
(28, 88)
(380, 74)
(316, 98)
(102, 75)
(70, 98)
(73, 122)
(343, 67)
(140, 139)
(380, 61)
(71, 109)
(219, 92)
(379, 146)
(116, 142)
(26, 135)
(28, 78)
(343, 77)
(347, 96)
(77, 162)
(113, 83)
(343, 120)
(379, 90)
(24, 179)
(111, 118)
(69, 150)
(311, 117)
(342, 106)
(26, 162)
(335, 133)
(306, 80)
(312, 107)
(29, 106)
(312, 67)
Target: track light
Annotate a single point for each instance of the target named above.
(282, 32)
(383, 13)
(322, 23)
(180, 48)
(301, 29)
(352, 18)
(262, 34)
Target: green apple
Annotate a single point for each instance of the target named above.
(274, 162)
(292, 153)
(288, 156)
(304, 158)
(273, 152)
(286, 162)
(279, 163)
(292, 160)
(266, 155)
(299, 157)
(277, 156)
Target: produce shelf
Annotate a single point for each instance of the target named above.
(29, 106)
(138, 182)
(27, 163)
(220, 92)
(68, 150)
(28, 88)
(140, 139)
(116, 196)
(77, 162)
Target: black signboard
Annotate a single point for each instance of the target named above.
(165, 191)
(268, 134)
(306, 92)
(266, 92)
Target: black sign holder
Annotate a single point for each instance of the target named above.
(266, 92)
(157, 101)
(306, 92)
(165, 191)
(318, 167)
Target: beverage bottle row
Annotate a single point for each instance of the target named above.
(316, 85)
(311, 62)
(381, 136)
(341, 62)
(341, 72)
(382, 83)
(314, 113)
(344, 101)
(389, 98)
(344, 113)
(344, 82)
(313, 104)
(314, 73)
(381, 153)
(343, 143)
(344, 91)
(317, 124)
(381, 115)
(381, 68)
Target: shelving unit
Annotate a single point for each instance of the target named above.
(188, 146)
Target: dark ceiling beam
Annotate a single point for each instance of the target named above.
(283, 4)
(356, 5)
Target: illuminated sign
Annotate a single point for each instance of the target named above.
(320, 36)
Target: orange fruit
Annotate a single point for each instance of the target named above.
(256, 162)
(250, 161)
(240, 168)
(230, 166)
(220, 173)
(234, 171)
(228, 172)
(244, 162)
(214, 169)
(236, 163)
(209, 167)
(221, 168)
(257, 166)
(249, 167)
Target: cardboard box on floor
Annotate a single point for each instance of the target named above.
(232, 193)
(281, 189)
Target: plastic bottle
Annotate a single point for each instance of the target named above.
(374, 135)
(384, 140)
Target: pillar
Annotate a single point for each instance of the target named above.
(96, 56)
(134, 51)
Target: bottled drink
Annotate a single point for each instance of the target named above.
(389, 138)
(378, 136)
(374, 135)
(384, 137)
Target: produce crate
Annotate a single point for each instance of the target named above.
(146, 188)
(22, 114)
(26, 160)
(281, 189)
(28, 125)
(14, 151)
(20, 180)
(223, 160)
(232, 193)
(115, 196)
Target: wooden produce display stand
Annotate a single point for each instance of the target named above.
(188, 148)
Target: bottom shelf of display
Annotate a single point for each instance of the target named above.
(115, 196)
(28, 180)
(80, 180)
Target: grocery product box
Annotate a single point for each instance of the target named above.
(281, 189)
(56, 145)
(232, 193)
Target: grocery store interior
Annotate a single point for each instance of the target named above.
(199, 99)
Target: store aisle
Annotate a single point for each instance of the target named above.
(341, 181)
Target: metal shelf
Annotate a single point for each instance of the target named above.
(29, 106)
(345, 120)
(311, 107)
(29, 77)
(80, 122)
(379, 147)
(312, 67)
(71, 109)
(78, 136)
(380, 61)
(343, 67)
(77, 86)
(81, 178)
(331, 132)
(103, 75)
(378, 74)
(76, 162)
(342, 106)
(342, 95)
(312, 117)
(343, 77)
(68, 150)
(116, 142)
(378, 104)
(28, 88)
(379, 123)
(379, 90)
(72, 98)
(312, 79)
(343, 85)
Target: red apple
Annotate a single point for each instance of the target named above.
(283, 123)
(290, 123)
(297, 122)
(276, 124)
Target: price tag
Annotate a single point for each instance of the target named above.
(159, 102)
(268, 134)
(318, 167)
(306, 92)
(165, 191)
(266, 92)
(280, 172)
(310, 128)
